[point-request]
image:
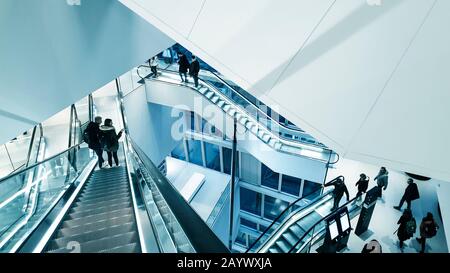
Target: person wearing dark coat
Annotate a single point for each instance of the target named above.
(194, 69)
(183, 66)
(411, 194)
(362, 184)
(93, 133)
(428, 229)
(402, 232)
(382, 180)
(338, 191)
(110, 141)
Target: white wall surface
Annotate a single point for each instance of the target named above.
(53, 54)
(369, 81)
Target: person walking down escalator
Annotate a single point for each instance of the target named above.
(428, 229)
(407, 227)
(110, 141)
(382, 181)
(91, 136)
(339, 189)
(183, 66)
(194, 69)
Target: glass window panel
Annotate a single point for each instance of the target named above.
(212, 154)
(262, 228)
(273, 207)
(178, 152)
(195, 151)
(250, 201)
(227, 161)
(290, 185)
(248, 223)
(311, 189)
(269, 178)
(241, 239)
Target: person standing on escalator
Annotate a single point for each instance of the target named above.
(339, 189)
(382, 181)
(194, 69)
(183, 66)
(110, 141)
(91, 136)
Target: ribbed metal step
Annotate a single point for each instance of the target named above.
(81, 205)
(88, 200)
(77, 213)
(85, 237)
(130, 248)
(96, 217)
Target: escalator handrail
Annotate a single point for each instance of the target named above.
(202, 238)
(285, 141)
(285, 210)
(295, 130)
(318, 222)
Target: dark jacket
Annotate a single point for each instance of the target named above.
(411, 192)
(362, 185)
(382, 180)
(426, 222)
(93, 132)
(194, 68)
(339, 188)
(402, 232)
(183, 64)
(109, 139)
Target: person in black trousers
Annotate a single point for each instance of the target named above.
(411, 194)
(338, 192)
(403, 232)
(362, 184)
(183, 66)
(110, 141)
(92, 137)
(194, 69)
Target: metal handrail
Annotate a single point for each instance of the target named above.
(202, 238)
(285, 141)
(285, 210)
(318, 222)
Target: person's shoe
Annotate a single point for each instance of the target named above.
(397, 208)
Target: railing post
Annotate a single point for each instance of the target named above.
(233, 178)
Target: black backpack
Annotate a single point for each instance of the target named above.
(411, 227)
(86, 135)
(430, 229)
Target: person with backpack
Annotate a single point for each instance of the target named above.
(91, 136)
(411, 194)
(362, 184)
(428, 229)
(110, 141)
(194, 69)
(183, 66)
(339, 189)
(382, 181)
(407, 227)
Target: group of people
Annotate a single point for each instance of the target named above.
(103, 137)
(407, 224)
(184, 66)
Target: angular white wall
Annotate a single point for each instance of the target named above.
(53, 54)
(367, 80)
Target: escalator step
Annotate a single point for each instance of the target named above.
(114, 221)
(96, 217)
(130, 248)
(283, 246)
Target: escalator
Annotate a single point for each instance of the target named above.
(270, 131)
(63, 204)
(300, 227)
(101, 219)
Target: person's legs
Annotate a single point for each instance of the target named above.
(408, 203)
(153, 68)
(116, 159)
(401, 244)
(423, 243)
(99, 153)
(196, 80)
(109, 158)
(400, 205)
(181, 76)
(185, 77)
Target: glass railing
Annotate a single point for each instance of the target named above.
(317, 231)
(40, 187)
(188, 232)
(294, 208)
(220, 205)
